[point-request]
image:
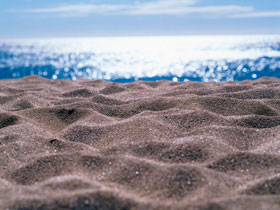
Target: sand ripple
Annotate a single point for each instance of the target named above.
(145, 145)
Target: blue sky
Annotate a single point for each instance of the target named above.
(77, 18)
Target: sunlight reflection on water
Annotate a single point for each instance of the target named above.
(196, 58)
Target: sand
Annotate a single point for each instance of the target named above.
(144, 145)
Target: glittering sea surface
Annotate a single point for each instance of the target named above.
(126, 59)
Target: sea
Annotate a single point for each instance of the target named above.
(127, 59)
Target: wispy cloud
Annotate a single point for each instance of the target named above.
(218, 10)
(157, 7)
(80, 9)
(134, 8)
(258, 14)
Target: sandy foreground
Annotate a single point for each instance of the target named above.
(144, 145)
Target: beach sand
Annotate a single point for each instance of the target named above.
(143, 145)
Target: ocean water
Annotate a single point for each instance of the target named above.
(126, 59)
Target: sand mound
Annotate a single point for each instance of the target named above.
(144, 145)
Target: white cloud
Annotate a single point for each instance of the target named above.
(158, 7)
(132, 8)
(257, 14)
(180, 10)
(80, 9)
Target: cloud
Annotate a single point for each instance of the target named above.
(257, 14)
(81, 9)
(158, 7)
(176, 10)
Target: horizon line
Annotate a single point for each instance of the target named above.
(140, 36)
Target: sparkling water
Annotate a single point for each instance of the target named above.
(126, 59)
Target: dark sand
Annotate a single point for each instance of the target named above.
(144, 145)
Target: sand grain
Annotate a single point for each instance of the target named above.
(145, 145)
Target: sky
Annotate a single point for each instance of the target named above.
(87, 18)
